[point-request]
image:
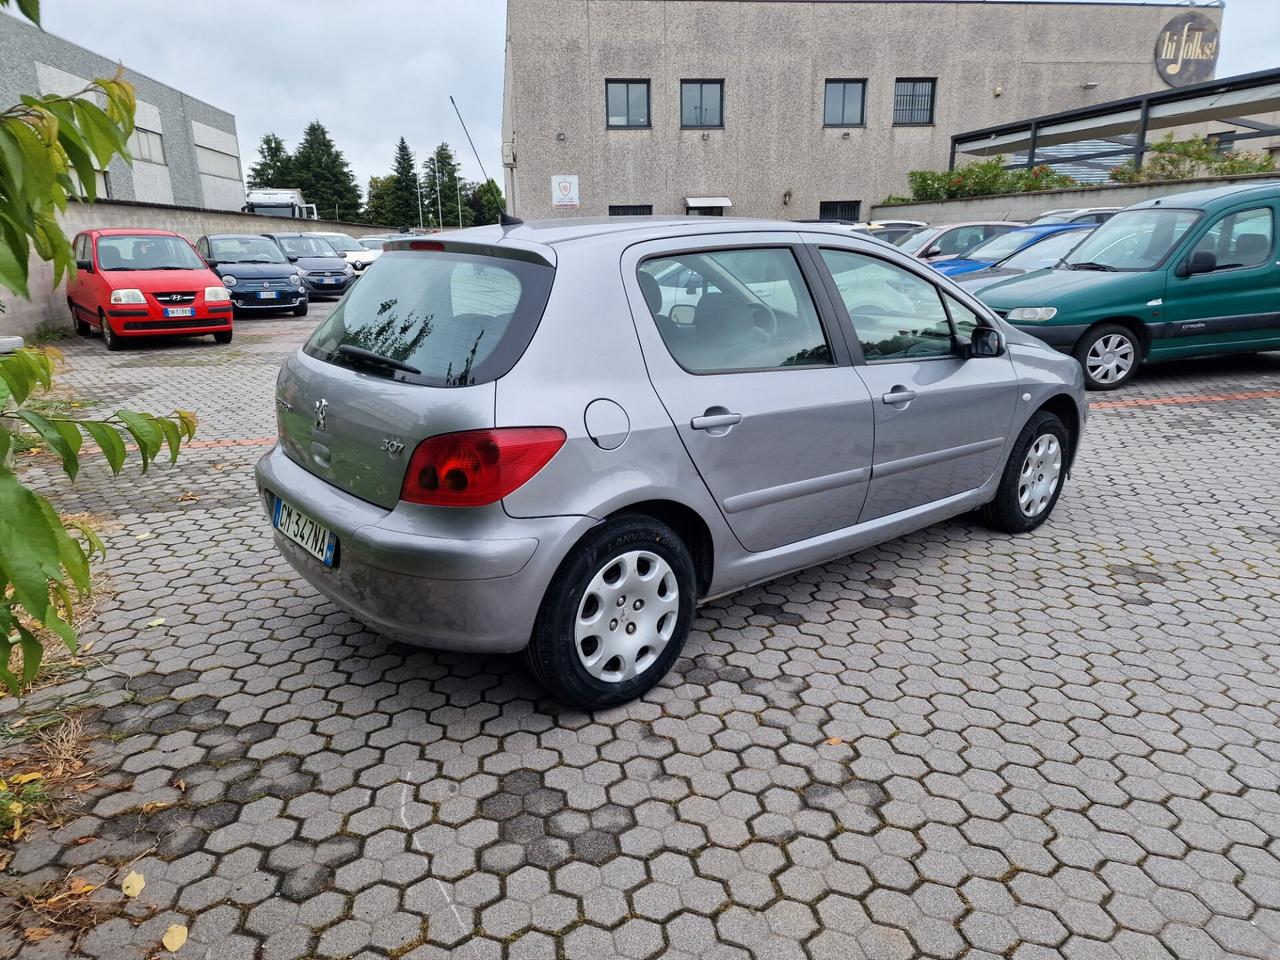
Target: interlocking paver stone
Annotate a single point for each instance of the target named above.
(955, 745)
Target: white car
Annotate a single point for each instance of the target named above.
(350, 249)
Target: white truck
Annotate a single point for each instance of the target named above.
(283, 202)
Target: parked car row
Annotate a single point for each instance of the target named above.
(137, 282)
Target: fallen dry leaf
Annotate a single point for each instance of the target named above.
(833, 741)
(36, 934)
(219, 466)
(187, 497)
(133, 884)
(153, 805)
(27, 778)
(157, 622)
(174, 938)
(181, 785)
(145, 535)
(81, 841)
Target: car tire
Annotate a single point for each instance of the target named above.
(110, 339)
(223, 336)
(82, 329)
(1032, 478)
(617, 568)
(300, 310)
(1109, 355)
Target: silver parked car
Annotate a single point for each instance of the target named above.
(564, 436)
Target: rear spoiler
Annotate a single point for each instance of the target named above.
(508, 249)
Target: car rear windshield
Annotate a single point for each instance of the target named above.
(146, 252)
(458, 318)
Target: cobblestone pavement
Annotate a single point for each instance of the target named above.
(959, 744)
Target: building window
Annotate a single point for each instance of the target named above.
(702, 103)
(844, 103)
(215, 163)
(101, 185)
(146, 145)
(627, 103)
(630, 209)
(913, 101)
(840, 210)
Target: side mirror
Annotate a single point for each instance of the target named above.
(210, 263)
(1202, 261)
(985, 342)
(292, 258)
(85, 265)
(931, 251)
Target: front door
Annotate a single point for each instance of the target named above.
(1235, 306)
(760, 392)
(942, 421)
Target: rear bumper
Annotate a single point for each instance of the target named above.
(448, 592)
(1061, 337)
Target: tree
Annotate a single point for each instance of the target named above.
(403, 191)
(377, 202)
(440, 190)
(486, 202)
(274, 167)
(323, 175)
(50, 149)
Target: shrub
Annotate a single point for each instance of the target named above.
(1170, 159)
(982, 178)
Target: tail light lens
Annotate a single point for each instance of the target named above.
(477, 467)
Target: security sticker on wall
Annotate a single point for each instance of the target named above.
(564, 191)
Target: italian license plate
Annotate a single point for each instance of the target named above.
(268, 295)
(329, 280)
(179, 311)
(297, 526)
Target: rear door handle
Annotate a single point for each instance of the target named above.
(715, 421)
(899, 395)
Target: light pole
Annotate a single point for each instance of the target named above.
(417, 182)
(435, 171)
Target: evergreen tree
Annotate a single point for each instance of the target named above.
(441, 190)
(402, 191)
(377, 205)
(486, 202)
(323, 175)
(274, 167)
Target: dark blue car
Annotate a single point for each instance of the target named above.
(323, 270)
(259, 276)
(1005, 245)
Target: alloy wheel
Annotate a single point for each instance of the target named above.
(1040, 475)
(627, 616)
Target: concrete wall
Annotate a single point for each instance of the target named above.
(47, 308)
(1026, 206)
(35, 62)
(994, 63)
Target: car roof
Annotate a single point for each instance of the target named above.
(234, 236)
(132, 232)
(553, 232)
(1213, 196)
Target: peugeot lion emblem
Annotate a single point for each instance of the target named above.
(322, 407)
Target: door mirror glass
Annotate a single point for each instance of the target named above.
(85, 264)
(1202, 261)
(986, 342)
(682, 314)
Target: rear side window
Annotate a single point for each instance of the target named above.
(459, 318)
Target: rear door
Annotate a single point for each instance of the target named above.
(941, 420)
(760, 391)
(1237, 305)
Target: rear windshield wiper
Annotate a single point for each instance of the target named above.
(361, 355)
(1092, 265)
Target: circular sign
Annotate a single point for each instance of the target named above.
(1187, 50)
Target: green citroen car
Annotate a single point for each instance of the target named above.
(1188, 275)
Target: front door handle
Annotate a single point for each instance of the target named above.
(898, 395)
(715, 421)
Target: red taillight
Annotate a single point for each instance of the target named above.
(475, 467)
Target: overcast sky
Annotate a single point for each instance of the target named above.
(375, 70)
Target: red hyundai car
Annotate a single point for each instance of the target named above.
(139, 283)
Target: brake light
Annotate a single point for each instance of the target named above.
(472, 468)
(435, 245)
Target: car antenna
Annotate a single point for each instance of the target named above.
(504, 218)
(507, 220)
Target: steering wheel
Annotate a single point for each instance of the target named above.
(758, 312)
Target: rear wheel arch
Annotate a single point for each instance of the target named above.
(688, 525)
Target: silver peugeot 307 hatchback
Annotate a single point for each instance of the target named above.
(563, 436)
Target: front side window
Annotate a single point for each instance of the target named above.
(844, 103)
(957, 242)
(82, 247)
(146, 252)
(735, 310)
(459, 318)
(627, 103)
(963, 319)
(1133, 240)
(896, 315)
(1240, 239)
(702, 103)
(913, 101)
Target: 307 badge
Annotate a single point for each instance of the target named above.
(391, 445)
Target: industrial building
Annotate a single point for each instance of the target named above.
(800, 109)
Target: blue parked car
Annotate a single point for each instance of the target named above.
(1044, 254)
(256, 272)
(1005, 245)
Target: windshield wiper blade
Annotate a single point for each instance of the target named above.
(1092, 265)
(361, 355)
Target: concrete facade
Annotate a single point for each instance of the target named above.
(47, 308)
(198, 147)
(773, 157)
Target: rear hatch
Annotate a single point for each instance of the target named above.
(411, 352)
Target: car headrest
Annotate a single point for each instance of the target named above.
(1252, 246)
(652, 292)
(109, 258)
